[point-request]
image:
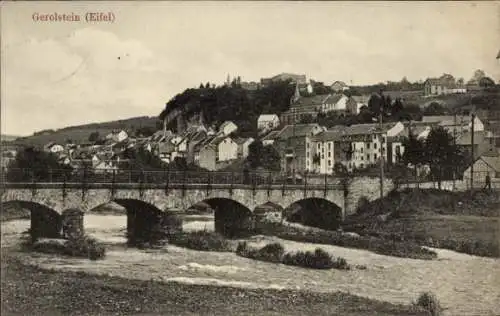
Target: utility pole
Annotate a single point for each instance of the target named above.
(473, 117)
(454, 146)
(381, 150)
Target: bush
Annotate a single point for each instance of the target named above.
(429, 302)
(271, 253)
(201, 240)
(319, 259)
(392, 247)
(84, 247)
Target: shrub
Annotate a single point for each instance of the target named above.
(83, 247)
(271, 253)
(390, 247)
(86, 247)
(201, 240)
(319, 259)
(429, 302)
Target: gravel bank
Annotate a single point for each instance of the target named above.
(28, 290)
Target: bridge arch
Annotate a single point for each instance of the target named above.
(231, 218)
(45, 221)
(144, 220)
(314, 212)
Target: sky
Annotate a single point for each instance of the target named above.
(57, 74)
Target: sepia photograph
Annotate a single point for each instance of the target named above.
(250, 158)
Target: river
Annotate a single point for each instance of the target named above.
(465, 285)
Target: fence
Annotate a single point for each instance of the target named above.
(164, 176)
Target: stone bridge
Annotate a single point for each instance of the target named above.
(59, 197)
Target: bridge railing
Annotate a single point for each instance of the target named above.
(164, 176)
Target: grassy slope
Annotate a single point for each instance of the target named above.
(431, 214)
(31, 291)
(81, 133)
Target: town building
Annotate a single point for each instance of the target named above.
(294, 143)
(368, 143)
(227, 128)
(445, 84)
(268, 122)
(339, 87)
(294, 78)
(117, 136)
(483, 166)
(302, 107)
(269, 139)
(215, 152)
(243, 146)
(455, 124)
(327, 149)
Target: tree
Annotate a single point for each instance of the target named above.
(434, 108)
(478, 75)
(414, 153)
(441, 154)
(144, 131)
(37, 164)
(263, 156)
(397, 107)
(94, 137)
(486, 82)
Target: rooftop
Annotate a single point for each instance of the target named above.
(297, 130)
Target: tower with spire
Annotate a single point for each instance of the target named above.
(228, 80)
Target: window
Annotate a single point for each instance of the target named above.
(374, 145)
(361, 149)
(354, 146)
(329, 154)
(374, 156)
(307, 145)
(319, 146)
(398, 149)
(329, 163)
(367, 156)
(368, 146)
(361, 166)
(307, 154)
(329, 146)
(322, 156)
(362, 158)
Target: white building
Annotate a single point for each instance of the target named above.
(227, 128)
(117, 136)
(268, 121)
(459, 123)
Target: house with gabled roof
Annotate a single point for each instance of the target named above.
(214, 150)
(269, 138)
(488, 164)
(313, 105)
(243, 146)
(268, 121)
(293, 142)
(445, 84)
(227, 128)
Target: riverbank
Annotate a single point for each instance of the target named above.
(29, 290)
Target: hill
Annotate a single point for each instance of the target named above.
(80, 134)
(464, 222)
(8, 138)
